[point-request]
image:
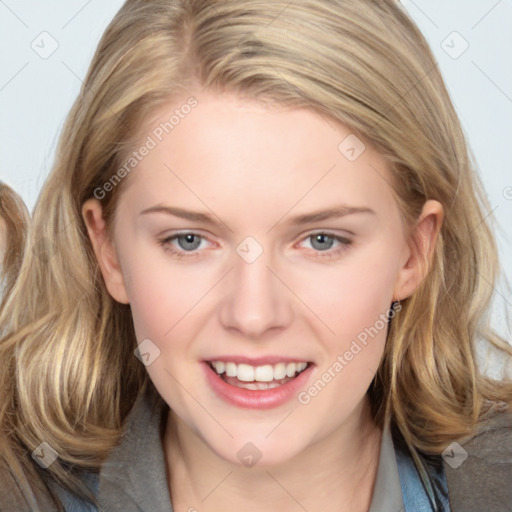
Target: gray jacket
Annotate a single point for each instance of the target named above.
(474, 477)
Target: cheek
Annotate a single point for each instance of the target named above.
(352, 295)
(164, 299)
(145, 285)
(353, 302)
(161, 291)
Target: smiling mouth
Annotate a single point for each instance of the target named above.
(257, 378)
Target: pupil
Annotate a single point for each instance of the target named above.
(322, 239)
(188, 241)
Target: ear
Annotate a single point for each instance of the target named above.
(104, 250)
(419, 250)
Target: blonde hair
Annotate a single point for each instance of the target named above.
(14, 218)
(70, 376)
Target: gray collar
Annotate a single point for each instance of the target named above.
(387, 493)
(134, 476)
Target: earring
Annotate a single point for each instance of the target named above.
(395, 307)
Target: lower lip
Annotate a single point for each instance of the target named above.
(256, 398)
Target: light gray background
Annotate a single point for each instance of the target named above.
(37, 90)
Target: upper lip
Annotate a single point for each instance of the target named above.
(257, 361)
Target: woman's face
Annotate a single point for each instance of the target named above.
(258, 241)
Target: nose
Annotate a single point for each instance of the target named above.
(254, 300)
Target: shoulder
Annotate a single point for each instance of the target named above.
(479, 470)
(11, 497)
(18, 496)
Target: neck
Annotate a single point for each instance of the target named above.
(337, 473)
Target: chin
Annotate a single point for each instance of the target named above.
(258, 450)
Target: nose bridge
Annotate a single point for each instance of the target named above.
(255, 301)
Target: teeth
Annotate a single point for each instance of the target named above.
(280, 371)
(231, 370)
(220, 367)
(290, 369)
(264, 373)
(258, 386)
(258, 374)
(245, 373)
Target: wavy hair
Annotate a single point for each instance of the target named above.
(69, 376)
(14, 218)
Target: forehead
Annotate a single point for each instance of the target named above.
(231, 151)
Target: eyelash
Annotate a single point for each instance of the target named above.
(345, 243)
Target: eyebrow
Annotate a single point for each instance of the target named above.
(182, 213)
(335, 212)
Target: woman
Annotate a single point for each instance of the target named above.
(255, 276)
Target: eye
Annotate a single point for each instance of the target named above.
(188, 244)
(322, 243)
(183, 244)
